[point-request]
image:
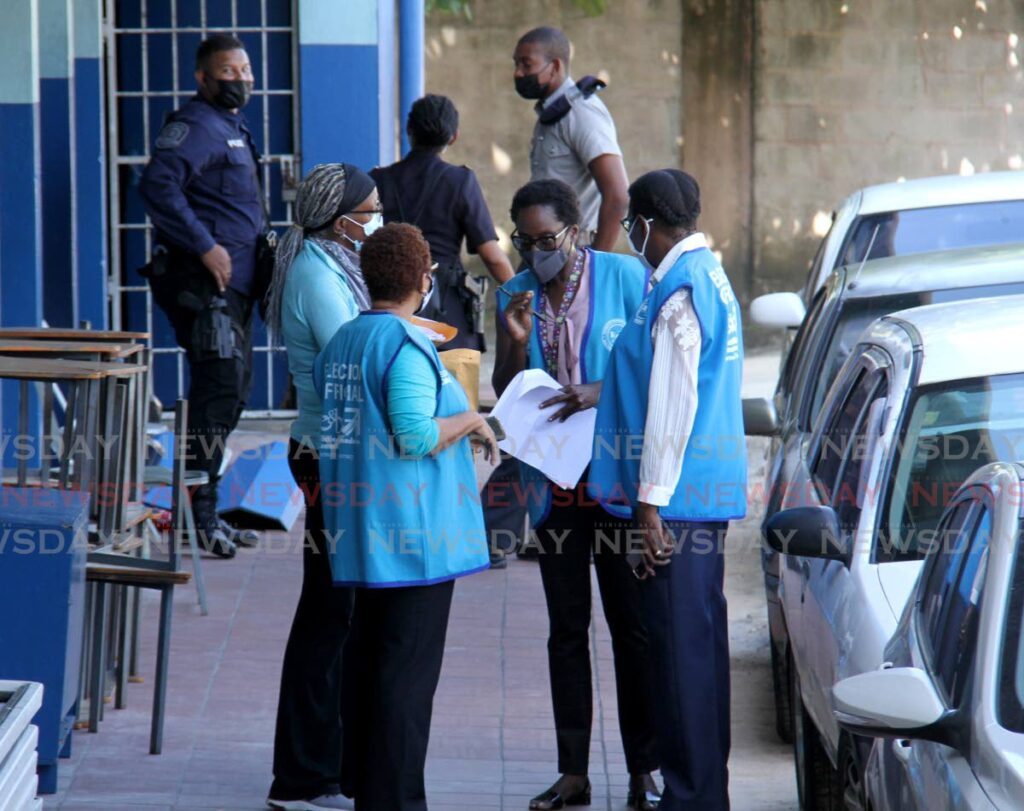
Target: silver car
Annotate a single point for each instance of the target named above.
(948, 703)
(851, 299)
(926, 397)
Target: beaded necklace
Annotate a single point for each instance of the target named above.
(550, 348)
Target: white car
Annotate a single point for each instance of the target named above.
(927, 396)
(899, 219)
(948, 703)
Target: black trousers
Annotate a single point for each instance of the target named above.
(686, 615)
(567, 540)
(392, 666)
(307, 740)
(218, 389)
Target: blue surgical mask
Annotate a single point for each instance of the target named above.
(376, 221)
(632, 245)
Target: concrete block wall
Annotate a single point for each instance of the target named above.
(635, 46)
(855, 92)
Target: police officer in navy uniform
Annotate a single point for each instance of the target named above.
(202, 192)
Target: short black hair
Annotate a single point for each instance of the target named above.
(669, 196)
(555, 43)
(555, 194)
(393, 260)
(433, 121)
(213, 44)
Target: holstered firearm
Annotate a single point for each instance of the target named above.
(477, 287)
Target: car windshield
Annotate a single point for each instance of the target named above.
(1011, 670)
(943, 228)
(855, 315)
(949, 430)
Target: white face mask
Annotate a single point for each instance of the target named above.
(376, 221)
(426, 297)
(632, 245)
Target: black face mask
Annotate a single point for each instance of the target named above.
(230, 94)
(529, 86)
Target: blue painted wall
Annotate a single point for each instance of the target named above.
(90, 163)
(20, 199)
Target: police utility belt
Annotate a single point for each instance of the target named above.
(180, 278)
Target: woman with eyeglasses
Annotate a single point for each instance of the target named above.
(317, 287)
(563, 313)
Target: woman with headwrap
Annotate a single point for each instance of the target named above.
(317, 288)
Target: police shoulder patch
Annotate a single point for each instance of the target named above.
(172, 135)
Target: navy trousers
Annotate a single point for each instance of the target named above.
(687, 624)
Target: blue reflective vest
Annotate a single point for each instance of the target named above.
(617, 287)
(712, 485)
(391, 520)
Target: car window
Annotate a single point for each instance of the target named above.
(815, 270)
(842, 441)
(1011, 668)
(851, 488)
(952, 603)
(950, 540)
(796, 357)
(948, 431)
(854, 315)
(941, 228)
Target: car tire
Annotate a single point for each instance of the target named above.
(818, 784)
(782, 690)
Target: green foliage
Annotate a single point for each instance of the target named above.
(462, 7)
(592, 8)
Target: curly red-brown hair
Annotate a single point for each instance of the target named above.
(393, 260)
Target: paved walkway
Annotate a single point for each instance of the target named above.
(492, 743)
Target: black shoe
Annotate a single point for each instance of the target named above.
(552, 799)
(239, 537)
(216, 543)
(498, 560)
(643, 793)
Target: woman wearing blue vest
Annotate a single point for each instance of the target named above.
(584, 298)
(317, 287)
(672, 387)
(401, 500)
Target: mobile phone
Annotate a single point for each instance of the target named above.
(637, 564)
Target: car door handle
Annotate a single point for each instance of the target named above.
(901, 747)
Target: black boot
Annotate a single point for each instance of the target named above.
(209, 534)
(239, 537)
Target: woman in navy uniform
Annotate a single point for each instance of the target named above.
(584, 298)
(673, 383)
(401, 494)
(445, 202)
(201, 191)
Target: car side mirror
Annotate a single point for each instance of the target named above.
(778, 310)
(897, 702)
(760, 417)
(810, 532)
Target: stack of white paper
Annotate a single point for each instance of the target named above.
(559, 450)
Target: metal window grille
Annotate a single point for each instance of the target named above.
(150, 51)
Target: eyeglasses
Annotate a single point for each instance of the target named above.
(629, 222)
(377, 210)
(546, 242)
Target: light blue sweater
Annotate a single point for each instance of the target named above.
(412, 402)
(316, 301)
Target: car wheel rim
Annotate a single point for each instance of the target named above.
(853, 787)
